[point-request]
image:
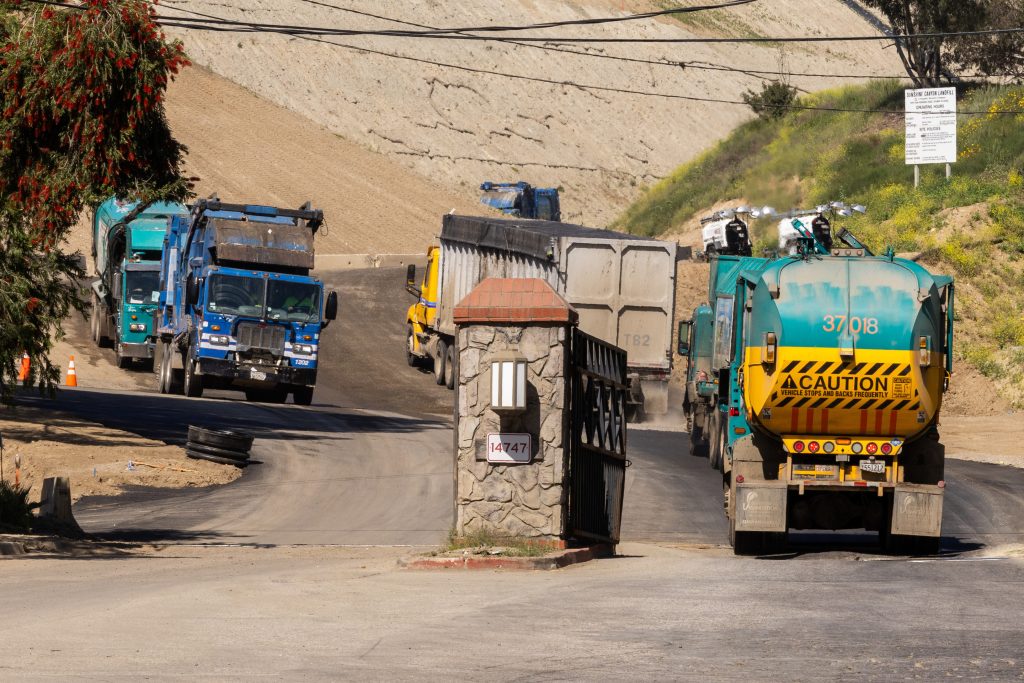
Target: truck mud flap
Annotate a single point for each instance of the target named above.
(761, 507)
(917, 512)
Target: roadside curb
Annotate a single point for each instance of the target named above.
(563, 558)
(12, 548)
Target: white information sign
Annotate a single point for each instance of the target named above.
(509, 448)
(931, 125)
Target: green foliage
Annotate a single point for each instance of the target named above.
(773, 101)
(983, 358)
(1008, 329)
(928, 60)
(81, 91)
(484, 541)
(15, 510)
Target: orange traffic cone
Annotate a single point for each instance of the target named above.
(25, 365)
(72, 375)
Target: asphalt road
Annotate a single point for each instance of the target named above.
(675, 604)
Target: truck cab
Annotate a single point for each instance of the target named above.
(237, 303)
(522, 200)
(127, 245)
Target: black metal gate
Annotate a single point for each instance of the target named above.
(597, 438)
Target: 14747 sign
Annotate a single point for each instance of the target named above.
(509, 449)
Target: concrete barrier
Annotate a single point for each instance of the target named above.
(327, 262)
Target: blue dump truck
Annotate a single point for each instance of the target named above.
(127, 241)
(237, 307)
(522, 200)
(817, 384)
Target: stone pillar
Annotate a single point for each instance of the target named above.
(525, 316)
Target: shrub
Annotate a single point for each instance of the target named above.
(773, 101)
(15, 510)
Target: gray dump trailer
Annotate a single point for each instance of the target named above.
(622, 286)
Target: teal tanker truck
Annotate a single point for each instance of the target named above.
(128, 240)
(824, 386)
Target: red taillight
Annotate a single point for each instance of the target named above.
(872, 448)
(739, 479)
(941, 484)
(734, 412)
(798, 446)
(813, 447)
(886, 448)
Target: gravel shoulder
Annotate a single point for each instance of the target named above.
(95, 458)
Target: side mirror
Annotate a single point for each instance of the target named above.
(331, 307)
(192, 290)
(723, 386)
(410, 280)
(685, 328)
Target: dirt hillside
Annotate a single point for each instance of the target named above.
(459, 128)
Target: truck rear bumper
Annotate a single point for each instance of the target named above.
(245, 375)
(916, 508)
(137, 350)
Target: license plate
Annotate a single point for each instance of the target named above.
(872, 466)
(257, 375)
(816, 471)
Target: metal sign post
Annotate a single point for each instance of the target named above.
(931, 128)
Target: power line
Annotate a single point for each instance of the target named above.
(232, 26)
(583, 86)
(699, 65)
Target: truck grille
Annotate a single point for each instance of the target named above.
(254, 338)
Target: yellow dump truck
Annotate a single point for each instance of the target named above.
(622, 286)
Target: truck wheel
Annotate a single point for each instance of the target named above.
(122, 360)
(441, 362)
(94, 323)
(410, 346)
(163, 383)
(303, 396)
(193, 380)
(99, 322)
(450, 371)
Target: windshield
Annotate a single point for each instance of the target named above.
(233, 295)
(142, 286)
(293, 301)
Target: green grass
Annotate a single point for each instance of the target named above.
(811, 157)
(483, 542)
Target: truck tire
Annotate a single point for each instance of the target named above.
(193, 380)
(441, 362)
(122, 361)
(99, 317)
(410, 345)
(219, 452)
(163, 376)
(220, 438)
(94, 327)
(303, 396)
(196, 455)
(450, 371)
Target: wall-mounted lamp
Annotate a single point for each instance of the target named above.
(508, 382)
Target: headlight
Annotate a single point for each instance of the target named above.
(137, 327)
(304, 348)
(220, 339)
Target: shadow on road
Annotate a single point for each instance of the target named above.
(166, 418)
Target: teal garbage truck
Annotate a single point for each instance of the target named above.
(128, 240)
(818, 383)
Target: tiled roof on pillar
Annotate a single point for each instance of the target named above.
(514, 300)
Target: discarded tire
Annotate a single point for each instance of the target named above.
(214, 458)
(219, 452)
(220, 438)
